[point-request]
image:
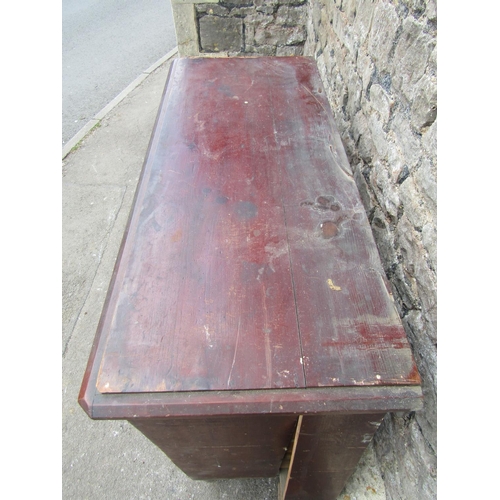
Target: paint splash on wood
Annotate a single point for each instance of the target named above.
(332, 286)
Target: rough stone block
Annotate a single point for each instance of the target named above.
(185, 29)
(239, 3)
(242, 11)
(291, 2)
(431, 10)
(414, 461)
(426, 282)
(365, 147)
(354, 89)
(410, 56)
(266, 3)
(379, 137)
(385, 24)
(290, 50)
(220, 33)
(429, 140)
(351, 42)
(336, 21)
(365, 479)
(405, 290)
(416, 7)
(411, 250)
(359, 126)
(259, 18)
(381, 102)
(279, 35)
(263, 50)
(385, 190)
(429, 238)
(315, 16)
(365, 68)
(391, 434)
(398, 170)
(406, 139)
(412, 203)
(424, 105)
(405, 471)
(417, 272)
(349, 146)
(365, 192)
(425, 355)
(212, 9)
(425, 358)
(290, 16)
(385, 453)
(383, 237)
(310, 39)
(363, 21)
(266, 9)
(426, 179)
(349, 9)
(249, 34)
(174, 2)
(323, 30)
(423, 463)
(327, 62)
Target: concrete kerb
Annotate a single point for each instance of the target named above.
(68, 147)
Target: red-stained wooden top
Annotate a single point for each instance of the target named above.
(248, 262)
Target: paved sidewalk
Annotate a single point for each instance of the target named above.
(110, 459)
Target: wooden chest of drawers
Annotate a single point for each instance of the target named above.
(249, 329)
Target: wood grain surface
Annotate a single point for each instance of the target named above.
(223, 447)
(248, 261)
(328, 449)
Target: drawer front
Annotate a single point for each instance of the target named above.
(223, 447)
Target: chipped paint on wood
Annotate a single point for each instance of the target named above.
(332, 286)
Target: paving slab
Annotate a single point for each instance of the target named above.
(111, 459)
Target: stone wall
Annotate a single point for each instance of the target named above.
(238, 27)
(377, 59)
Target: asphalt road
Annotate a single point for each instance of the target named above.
(106, 44)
